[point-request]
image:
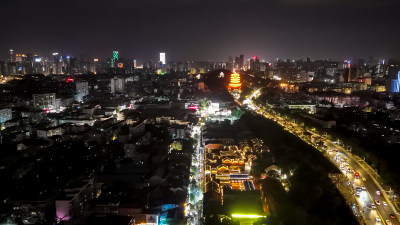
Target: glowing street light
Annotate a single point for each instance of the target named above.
(246, 216)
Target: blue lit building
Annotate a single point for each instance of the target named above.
(396, 84)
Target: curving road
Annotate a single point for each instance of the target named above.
(367, 196)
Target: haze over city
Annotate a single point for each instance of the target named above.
(203, 30)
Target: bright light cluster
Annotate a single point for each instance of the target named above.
(246, 216)
(235, 81)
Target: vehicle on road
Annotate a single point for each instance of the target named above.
(363, 179)
(373, 206)
(378, 219)
(378, 192)
(377, 202)
(363, 188)
(388, 222)
(356, 174)
(392, 216)
(384, 203)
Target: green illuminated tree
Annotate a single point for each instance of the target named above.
(204, 103)
(237, 113)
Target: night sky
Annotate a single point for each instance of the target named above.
(202, 30)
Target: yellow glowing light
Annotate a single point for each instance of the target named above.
(246, 216)
(283, 85)
(235, 81)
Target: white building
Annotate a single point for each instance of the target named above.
(162, 58)
(82, 89)
(117, 85)
(49, 132)
(5, 114)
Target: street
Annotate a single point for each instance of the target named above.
(348, 166)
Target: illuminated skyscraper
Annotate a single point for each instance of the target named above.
(396, 84)
(12, 56)
(162, 58)
(114, 58)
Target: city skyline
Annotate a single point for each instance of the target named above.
(204, 30)
(158, 58)
(200, 112)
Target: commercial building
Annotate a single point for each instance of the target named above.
(310, 107)
(45, 101)
(49, 132)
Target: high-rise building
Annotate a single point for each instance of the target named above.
(351, 74)
(241, 61)
(396, 84)
(114, 59)
(12, 59)
(162, 58)
(117, 85)
(255, 64)
(82, 89)
(238, 64)
(44, 101)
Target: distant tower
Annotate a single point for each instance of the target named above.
(396, 84)
(162, 58)
(12, 55)
(114, 58)
(241, 61)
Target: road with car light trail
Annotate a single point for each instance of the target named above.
(381, 213)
